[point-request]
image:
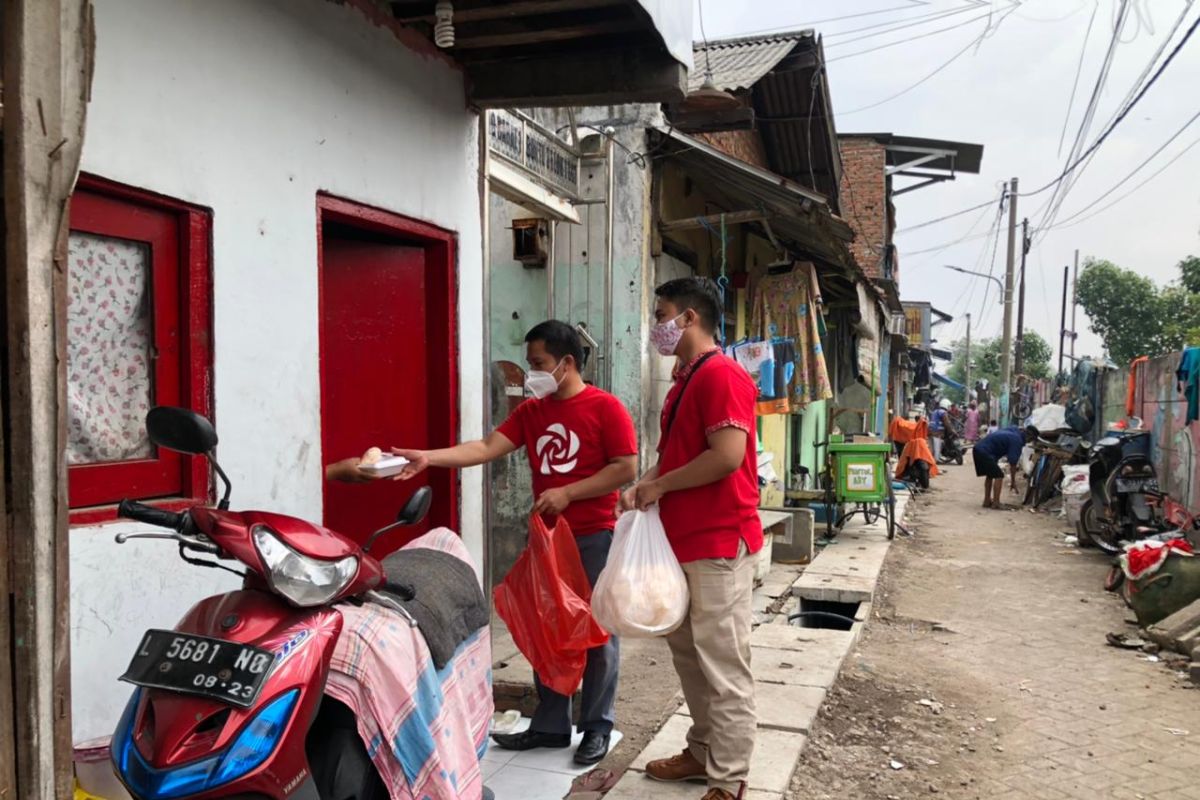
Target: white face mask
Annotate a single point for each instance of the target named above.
(541, 384)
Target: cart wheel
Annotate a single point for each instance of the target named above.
(829, 512)
(871, 512)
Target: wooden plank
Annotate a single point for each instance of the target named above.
(545, 35)
(585, 78)
(48, 48)
(691, 223)
(729, 119)
(523, 8)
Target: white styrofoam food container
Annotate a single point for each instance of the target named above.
(385, 467)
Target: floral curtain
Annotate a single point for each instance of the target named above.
(109, 336)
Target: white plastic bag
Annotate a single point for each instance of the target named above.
(642, 591)
(1075, 490)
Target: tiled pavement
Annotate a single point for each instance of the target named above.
(1028, 616)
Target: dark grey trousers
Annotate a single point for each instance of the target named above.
(599, 698)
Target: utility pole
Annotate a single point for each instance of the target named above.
(1074, 304)
(1020, 348)
(1009, 269)
(1062, 331)
(967, 378)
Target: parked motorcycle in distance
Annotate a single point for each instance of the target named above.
(232, 703)
(952, 444)
(1122, 486)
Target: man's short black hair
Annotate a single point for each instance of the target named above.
(698, 294)
(559, 339)
(1031, 433)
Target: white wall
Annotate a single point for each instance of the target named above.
(250, 109)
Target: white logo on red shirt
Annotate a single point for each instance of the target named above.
(558, 448)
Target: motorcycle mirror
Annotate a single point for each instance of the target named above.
(417, 507)
(181, 430)
(413, 512)
(185, 431)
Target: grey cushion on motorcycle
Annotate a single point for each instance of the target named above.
(441, 593)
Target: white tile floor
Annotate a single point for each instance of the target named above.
(534, 774)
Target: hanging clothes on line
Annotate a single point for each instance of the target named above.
(787, 314)
(1188, 381)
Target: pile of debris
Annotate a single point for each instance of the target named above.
(1180, 633)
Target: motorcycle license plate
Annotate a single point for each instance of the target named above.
(230, 672)
(1136, 484)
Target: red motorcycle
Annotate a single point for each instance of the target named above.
(231, 703)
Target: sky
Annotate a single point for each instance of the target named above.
(1001, 74)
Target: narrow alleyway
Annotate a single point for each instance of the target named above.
(985, 674)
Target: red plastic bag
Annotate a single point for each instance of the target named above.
(546, 602)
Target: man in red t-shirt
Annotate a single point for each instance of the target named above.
(582, 450)
(706, 486)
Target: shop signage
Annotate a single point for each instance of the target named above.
(537, 152)
(918, 321)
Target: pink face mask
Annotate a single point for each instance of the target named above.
(665, 336)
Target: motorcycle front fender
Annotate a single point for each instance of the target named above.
(170, 730)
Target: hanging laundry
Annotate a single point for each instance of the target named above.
(784, 308)
(774, 395)
(753, 356)
(1188, 377)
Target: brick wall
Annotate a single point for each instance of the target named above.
(746, 145)
(864, 200)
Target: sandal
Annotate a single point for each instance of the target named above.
(592, 785)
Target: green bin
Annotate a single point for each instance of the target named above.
(860, 471)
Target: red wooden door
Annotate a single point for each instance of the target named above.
(374, 371)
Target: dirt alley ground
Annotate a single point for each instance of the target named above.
(984, 673)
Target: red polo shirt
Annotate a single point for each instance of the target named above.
(569, 440)
(709, 521)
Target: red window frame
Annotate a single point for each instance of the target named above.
(178, 236)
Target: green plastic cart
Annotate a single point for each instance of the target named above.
(861, 476)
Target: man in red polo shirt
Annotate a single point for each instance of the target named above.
(582, 450)
(706, 486)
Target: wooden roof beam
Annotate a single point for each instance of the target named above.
(522, 8)
(542, 36)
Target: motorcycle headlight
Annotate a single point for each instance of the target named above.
(302, 580)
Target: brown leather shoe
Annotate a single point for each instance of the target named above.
(683, 767)
(719, 794)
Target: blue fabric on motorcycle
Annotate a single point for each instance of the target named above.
(441, 593)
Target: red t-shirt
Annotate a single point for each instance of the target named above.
(710, 521)
(570, 440)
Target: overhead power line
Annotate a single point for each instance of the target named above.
(911, 6)
(1124, 113)
(977, 40)
(908, 40)
(1078, 73)
(1108, 193)
(1135, 90)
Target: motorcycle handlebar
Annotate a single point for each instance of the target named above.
(141, 512)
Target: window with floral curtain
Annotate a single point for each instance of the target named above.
(138, 316)
(109, 340)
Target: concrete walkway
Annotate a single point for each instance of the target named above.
(1002, 621)
(794, 667)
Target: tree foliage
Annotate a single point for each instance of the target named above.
(985, 359)
(1134, 316)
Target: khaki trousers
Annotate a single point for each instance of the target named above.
(711, 651)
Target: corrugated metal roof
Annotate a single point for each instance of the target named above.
(967, 157)
(742, 62)
(796, 213)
